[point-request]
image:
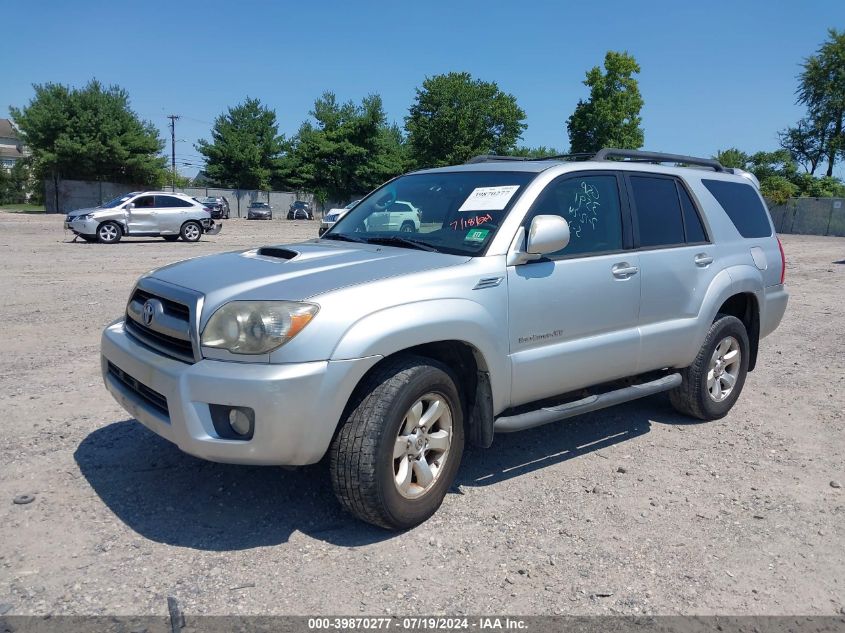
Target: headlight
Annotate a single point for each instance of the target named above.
(87, 216)
(256, 327)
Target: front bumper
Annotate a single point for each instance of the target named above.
(82, 227)
(297, 406)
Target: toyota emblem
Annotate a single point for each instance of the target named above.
(149, 311)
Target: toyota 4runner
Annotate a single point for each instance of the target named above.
(536, 290)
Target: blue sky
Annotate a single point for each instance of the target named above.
(714, 74)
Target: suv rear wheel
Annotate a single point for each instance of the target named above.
(712, 384)
(399, 448)
(191, 231)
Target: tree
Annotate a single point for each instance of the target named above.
(89, 133)
(455, 117)
(611, 115)
(806, 142)
(535, 152)
(779, 176)
(245, 147)
(822, 90)
(347, 150)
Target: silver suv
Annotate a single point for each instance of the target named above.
(536, 290)
(144, 214)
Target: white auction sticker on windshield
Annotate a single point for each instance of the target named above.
(489, 198)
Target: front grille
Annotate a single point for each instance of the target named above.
(149, 396)
(169, 330)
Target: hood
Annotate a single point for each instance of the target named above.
(296, 271)
(76, 212)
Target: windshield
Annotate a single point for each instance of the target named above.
(111, 204)
(455, 212)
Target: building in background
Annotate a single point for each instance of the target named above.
(11, 147)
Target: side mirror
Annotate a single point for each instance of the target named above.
(547, 234)
(129, 206)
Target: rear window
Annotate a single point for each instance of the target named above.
(743, 206)
(658, 211)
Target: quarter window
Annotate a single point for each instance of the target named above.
(591, 206)
(743, 205)
(658, 211)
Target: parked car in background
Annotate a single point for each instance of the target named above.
(300, 210)
(333, 215)
(144, 214)
(218, 205)
(398, 216)
(259, 211)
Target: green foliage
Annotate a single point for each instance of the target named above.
(806, 142)
(348, 150)
(611, 115)
(245, 147)
(822, 90)
(535, 152)
(779, 176)
(16, 185)
(89, 133)
(455, 117)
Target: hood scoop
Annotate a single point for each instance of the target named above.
(277, 252)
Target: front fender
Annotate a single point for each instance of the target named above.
(397, 328)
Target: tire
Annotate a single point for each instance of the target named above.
(379, 421)
(408, 227)
(109, 233)
(695, 396)
(191, 231)
(170, 238)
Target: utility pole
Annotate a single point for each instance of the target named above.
(173, 118)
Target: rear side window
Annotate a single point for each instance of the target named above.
(743, 206)
(171, 201)
(658, 211)
(692, 223)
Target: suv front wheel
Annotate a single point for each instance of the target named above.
(712, 384)
(399, 447)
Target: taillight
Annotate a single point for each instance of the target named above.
(782, 262)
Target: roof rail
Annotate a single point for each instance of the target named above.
(658, 157)
(489, 158)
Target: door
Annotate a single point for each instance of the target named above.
(171, 212)
(142, 217)
(676, 266)
(573, 314)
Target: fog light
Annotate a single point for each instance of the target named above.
(232, 423)
(239, 421)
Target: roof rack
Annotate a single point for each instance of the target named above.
(657, 157)
(634, 155)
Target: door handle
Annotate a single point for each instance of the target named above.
(703, 260)
(624, 270)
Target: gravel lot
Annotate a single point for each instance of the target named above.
(630, 510)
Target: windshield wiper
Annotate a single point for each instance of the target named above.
(343, 238)
(395, 240)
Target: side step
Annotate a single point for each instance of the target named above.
(538, 417)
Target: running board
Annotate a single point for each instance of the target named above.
(538, 417)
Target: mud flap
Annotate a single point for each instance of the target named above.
(481, 413)
(214, 230)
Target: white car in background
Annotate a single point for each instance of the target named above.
(333, 215)
(399, 216)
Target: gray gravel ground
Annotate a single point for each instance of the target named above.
(630, 510)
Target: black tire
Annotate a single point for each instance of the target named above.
(191, 231)
(693, 396)
(170, 238)
(362, 453)
(109, 233)
(408, 227)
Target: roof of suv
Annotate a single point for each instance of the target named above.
(631, 159)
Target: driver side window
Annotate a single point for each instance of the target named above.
(590, 204)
